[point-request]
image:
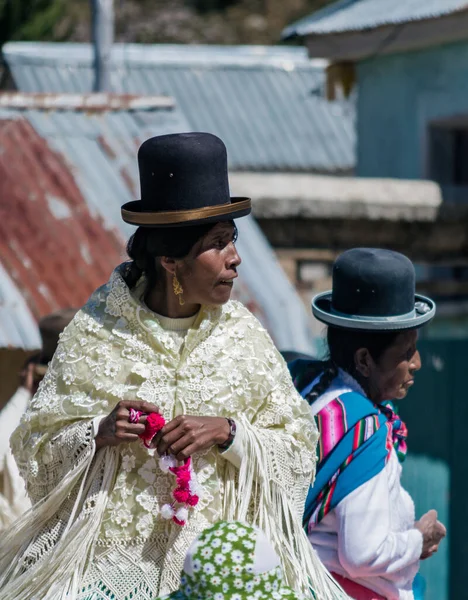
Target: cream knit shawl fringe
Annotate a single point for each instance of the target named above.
(59, 575)
(247, 491)
(252, 494)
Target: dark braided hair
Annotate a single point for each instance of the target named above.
(148, 243)
(343, 345)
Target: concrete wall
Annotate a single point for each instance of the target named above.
(398, 96)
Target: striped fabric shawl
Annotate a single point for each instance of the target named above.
(356, 440)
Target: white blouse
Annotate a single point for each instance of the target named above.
(370, 536)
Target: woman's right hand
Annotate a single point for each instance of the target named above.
(116, 428)
(432, 531)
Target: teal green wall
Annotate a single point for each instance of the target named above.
(436, 473)
(398, 96)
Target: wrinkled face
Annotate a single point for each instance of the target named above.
(207, 274)
(393, 375)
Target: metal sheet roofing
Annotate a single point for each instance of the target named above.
(52, 248)
(65, 173)
(358, 15)
(266, 103)
(18, 328)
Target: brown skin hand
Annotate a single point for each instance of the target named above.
(206, 276)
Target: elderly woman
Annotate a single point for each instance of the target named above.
(160, 353)
(359, 518)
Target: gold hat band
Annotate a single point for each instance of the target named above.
(182, 216)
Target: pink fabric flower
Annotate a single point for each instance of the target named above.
(183, 480)
(192, 500)
(154, 423)
(180, 495)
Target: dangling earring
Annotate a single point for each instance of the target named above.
(178, 289)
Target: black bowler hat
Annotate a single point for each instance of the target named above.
(184, 181)
(373, 289)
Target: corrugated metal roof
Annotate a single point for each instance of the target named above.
(18, 328)
(52, 248)
(266, 103)
(357, 15)
(90, 171)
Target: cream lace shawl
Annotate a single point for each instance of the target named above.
(96, 528)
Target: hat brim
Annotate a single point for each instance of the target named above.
(238, 207)
(424, 311)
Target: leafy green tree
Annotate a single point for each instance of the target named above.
(29, 19)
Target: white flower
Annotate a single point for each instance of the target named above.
(226, 546)
(267, 586)
(216, 543)
(112, 368)
(122, 516)
(238, 583)
(206, 552)
(147, 499)
(234, 378)
(218, 596)
(236, 597)
(249, 586)
(225, 571)
(216, 580)
(167, 462)
(241, 532)
(194, 487)
(148, 471)
(196, 565)
(68, 375)
(145, 525)
(232, 537)
(248, 544)
(208, 568)
(182, 514)
(219, 559)
(236, 569)
(167, 512)
(128, 462)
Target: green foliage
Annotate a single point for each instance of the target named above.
(29, 19)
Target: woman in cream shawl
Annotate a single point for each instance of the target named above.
(163, 337)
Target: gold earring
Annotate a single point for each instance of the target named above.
(178, 289)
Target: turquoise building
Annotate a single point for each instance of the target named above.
(406, 62)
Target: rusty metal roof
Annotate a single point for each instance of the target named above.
(52, 248)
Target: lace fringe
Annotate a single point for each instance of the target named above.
(59, 575)
(303, 569)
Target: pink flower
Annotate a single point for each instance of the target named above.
(183, 479)
(176, 520)
(180, 495)
(154, 423)
(192, 500)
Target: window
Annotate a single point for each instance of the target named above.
(448, 159)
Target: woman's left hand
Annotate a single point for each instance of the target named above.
(185, 435)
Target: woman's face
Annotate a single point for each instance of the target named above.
(207, 274)
(393, 375)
